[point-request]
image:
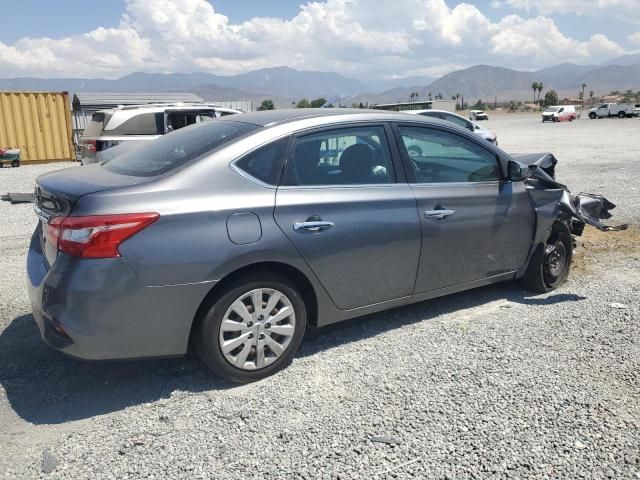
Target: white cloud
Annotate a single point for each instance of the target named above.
(580, 7)
(540, 40)
(634, 38)
(349, 36)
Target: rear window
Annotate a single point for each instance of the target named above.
(177, 148)
(96, 124)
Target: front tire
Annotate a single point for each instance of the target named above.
(252, 329)
(549, 265)
(592, 116)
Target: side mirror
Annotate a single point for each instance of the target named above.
(518, 171)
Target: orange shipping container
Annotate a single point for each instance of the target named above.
(39, 124)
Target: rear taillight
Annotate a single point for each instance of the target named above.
(91, 146)
(96, 236)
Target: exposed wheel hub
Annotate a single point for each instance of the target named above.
(555, 261)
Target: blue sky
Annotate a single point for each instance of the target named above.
(110, 38)
(34, 18)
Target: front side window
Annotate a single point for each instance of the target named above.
(347, 156)
(436, 156)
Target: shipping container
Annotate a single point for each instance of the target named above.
(39, 124)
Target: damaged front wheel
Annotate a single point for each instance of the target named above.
(549, 265)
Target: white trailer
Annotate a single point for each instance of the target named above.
(621, 110)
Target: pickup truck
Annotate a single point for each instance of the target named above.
(621, 110)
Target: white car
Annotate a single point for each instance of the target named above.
(458, 120)
(559, 113)
(478, 115)
(133, 125)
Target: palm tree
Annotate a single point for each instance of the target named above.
(584, 85)
(457, 97)
(534, 86)
(591, 96)
(540, 87)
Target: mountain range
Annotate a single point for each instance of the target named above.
(285, 85)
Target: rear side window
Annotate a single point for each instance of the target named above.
(177, 148)
(345, 156)
(265, 163)
(96, 124)
(143, 124)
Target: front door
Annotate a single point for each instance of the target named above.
(474, 223)
(348, 217)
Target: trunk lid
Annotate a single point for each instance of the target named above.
(57, 192)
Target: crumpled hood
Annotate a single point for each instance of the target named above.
(544, 190)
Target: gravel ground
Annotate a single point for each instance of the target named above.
(490, 383)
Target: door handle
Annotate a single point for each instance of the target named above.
(313, 226)
(439, 214)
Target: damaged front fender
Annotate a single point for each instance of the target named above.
(553, 201)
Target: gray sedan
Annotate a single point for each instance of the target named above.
(236, 235)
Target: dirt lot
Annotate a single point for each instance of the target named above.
(491, 383)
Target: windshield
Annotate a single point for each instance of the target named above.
(177, 148)
(551, 109)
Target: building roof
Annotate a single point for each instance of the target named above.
(101, 100)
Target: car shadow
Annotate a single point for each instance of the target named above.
(369, 325)
(44, 386)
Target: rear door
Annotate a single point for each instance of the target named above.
(345, 207)
(474, 223)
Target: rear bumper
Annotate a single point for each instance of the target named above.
(99, 309)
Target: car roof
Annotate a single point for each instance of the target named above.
(161, 107)
(268, 118)
(429, 110)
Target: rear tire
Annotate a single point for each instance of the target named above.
(622, 115)
(15, 163)
(261, 351)
(549, 265)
